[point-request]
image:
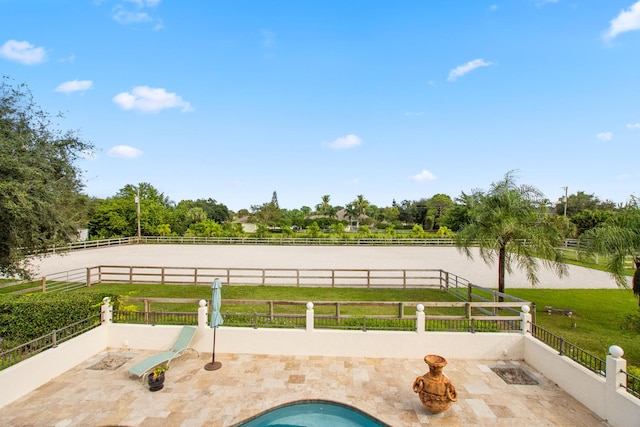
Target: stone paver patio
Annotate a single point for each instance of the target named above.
(248, 384)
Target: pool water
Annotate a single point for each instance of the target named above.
(313, 414)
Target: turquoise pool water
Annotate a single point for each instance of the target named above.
(313, 414)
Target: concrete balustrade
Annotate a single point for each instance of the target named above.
(604, 396)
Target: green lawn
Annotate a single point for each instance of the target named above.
(597, 324)
(5, 289)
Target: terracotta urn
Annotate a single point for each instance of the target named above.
(435, 390)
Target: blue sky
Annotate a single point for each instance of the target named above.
(392, 100)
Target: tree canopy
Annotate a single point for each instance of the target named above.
(40, 200)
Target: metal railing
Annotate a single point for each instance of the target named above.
(155, 318)
(365, 323)
(565, 348)
(471, 325)
(63, 281)
(255, 320)
(51, 340)
(633, 384)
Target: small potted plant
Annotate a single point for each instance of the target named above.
(156, 378)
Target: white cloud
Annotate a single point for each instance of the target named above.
(268, 38)
(137, 13)
(605, 136)
(345, 142)
(124, 151)
(412, 113)
(23, 52)
(627, 20)
(423, 176)
(150, 100)
(633, 125)
(469, 66)
(127, 17)
(74, 86)
(145, 3)
(70, 58)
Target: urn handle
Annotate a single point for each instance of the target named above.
(418, 385)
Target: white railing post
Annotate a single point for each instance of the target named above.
(310, 317)
(202, 314)
(525, 319)
(420, 320)
(616, 366)
(106, 311)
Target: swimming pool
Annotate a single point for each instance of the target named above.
(313, 413)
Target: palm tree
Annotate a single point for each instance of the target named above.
(196, 214)
(618, 238)
(509, 222)
(325, 208)
(360, 205)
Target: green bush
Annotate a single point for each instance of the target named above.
(27, 317)
(632, 322)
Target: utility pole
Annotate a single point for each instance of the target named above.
(565, 199)
(137, 199)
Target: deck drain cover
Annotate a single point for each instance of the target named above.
(110, 362)
(514, 375)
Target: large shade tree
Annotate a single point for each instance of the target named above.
(117, 216)
(509, 224)
(40, 200)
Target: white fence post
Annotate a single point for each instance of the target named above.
(525, 319)
(202, 314)
(420, 320)
(310, 318)
(615, 367)
(106, 311)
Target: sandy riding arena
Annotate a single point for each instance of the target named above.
(306, 257)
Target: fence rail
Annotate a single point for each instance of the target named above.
(318, 277)
(633, 384)
(466, 310)
(473, 325)
(51, 340)
(155, 318)
(276, 241)
(565, 348)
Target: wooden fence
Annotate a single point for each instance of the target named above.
(335, 278)
(277, 241)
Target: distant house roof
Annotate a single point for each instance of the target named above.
(342, 215)
(243, 220)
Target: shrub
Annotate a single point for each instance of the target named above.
(26, 317)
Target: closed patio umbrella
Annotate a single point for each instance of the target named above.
(216, 320)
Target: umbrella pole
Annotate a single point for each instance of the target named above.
(213, 365)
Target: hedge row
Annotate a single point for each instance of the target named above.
(29, 316)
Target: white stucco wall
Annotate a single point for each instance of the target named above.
(20, 379)
(615, 405)
(456, 345)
